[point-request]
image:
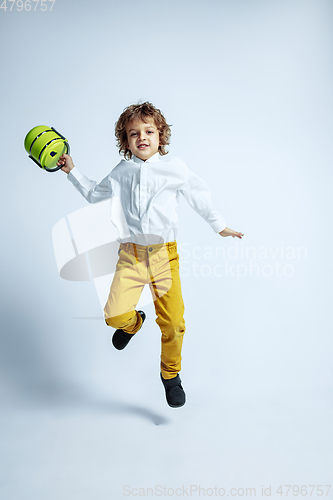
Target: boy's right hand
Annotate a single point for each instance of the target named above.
(66, 162)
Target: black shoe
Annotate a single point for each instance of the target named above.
(174, 392)
(120, 338)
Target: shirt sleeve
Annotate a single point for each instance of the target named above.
(91, 191)
(198, 196)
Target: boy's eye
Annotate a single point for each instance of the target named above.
(148, 132)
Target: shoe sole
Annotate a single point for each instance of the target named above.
(177, 406)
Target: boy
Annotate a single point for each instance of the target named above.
(148, 187)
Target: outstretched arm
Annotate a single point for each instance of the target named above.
(198, 196)
(229, 232)
(91, 191)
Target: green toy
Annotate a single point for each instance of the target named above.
(45, 146)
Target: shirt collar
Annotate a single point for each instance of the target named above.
(153, 158)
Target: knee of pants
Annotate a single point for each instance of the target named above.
(172, 329)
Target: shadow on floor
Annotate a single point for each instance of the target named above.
(56, 396)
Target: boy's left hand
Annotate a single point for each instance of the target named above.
(229, 232)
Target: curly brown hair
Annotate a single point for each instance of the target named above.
(142, 111)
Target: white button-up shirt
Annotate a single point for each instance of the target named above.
(148, 194)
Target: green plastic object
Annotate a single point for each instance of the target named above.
(45, 146)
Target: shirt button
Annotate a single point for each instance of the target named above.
(150, 249)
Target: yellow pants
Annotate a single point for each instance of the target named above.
(158, 266)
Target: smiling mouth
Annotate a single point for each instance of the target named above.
(143, 146)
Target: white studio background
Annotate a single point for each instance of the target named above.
(247, 87)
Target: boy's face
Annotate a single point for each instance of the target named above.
(142, 138)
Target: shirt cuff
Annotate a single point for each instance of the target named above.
(219, 225)
(76, 174)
